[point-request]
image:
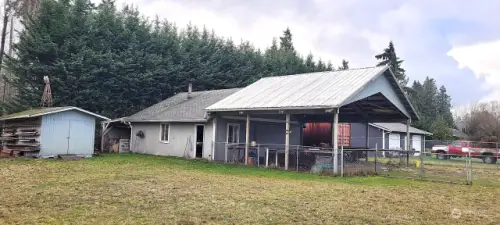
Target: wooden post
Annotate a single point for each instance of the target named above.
(335, 139)
(383, 143)
(247, 138)
(287, 140)
(367, 139)
(423, 147)
(267, 157)
(408, 142)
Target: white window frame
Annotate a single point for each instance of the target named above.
(227, 133)
(161, 133)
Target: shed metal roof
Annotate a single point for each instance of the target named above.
(49, 110)
(179, 108)
(303, 91)
(399, 127)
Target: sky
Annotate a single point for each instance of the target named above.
(456, 42)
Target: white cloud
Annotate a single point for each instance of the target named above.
(423, 32)
(482, 59)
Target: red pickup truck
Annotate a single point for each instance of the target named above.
(488, 152)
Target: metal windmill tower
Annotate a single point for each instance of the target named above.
(47, 93)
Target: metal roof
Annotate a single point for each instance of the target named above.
(458, 133)
(310, 90)
(399, 127)
(44, 111)
(179, 108)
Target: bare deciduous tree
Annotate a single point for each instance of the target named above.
(482, 121)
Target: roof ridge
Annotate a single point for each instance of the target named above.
(331, 71)
(205, 91)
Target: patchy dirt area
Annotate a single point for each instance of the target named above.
(139, 189)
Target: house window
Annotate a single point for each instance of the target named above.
(233, 133)
(165, 132)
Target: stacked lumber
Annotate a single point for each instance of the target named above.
(6, 153)
(18, 139)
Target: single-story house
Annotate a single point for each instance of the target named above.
(458, 134)
(387, 136)
(353, 136)
(49, 132)
(271, 111)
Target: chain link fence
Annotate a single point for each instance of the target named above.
(433, 161)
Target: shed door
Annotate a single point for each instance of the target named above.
(80, 136)
(417, 143)
(394, 141)
(59, 140)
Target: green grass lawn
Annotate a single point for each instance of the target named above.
(141, 189)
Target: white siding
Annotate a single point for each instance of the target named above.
(68, 132)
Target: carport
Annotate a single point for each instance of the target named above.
(364, 95)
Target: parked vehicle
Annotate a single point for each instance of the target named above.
(488, 152)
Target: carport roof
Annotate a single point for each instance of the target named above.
(322, 90)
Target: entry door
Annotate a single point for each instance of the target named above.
(417, 144)
(394, 141)
(199, 134)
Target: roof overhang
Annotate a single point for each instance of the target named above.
(167, 121)
(379, 127)
(390, 131)
(34, 115)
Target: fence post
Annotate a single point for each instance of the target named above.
(276, 157)
(469, 169)
(342, 161)
(297, 165)
(407, 158)
(267, 156)
(258, 155)
(421, 166)
(376, 153)
(225, 152)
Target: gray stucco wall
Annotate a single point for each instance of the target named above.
(182, 139)
(358, 136)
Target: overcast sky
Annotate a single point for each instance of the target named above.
(457, 42)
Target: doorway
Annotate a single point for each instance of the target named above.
(200, 131)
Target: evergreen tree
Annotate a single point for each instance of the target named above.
(116, 62)
(345, 65)
(440, 129)
(389, 57)
(329, 66)
(286, 43)
(310, 64)
(444, 106)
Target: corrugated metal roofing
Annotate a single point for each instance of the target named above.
(49, 110)
(400, 127)
(311, 90)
